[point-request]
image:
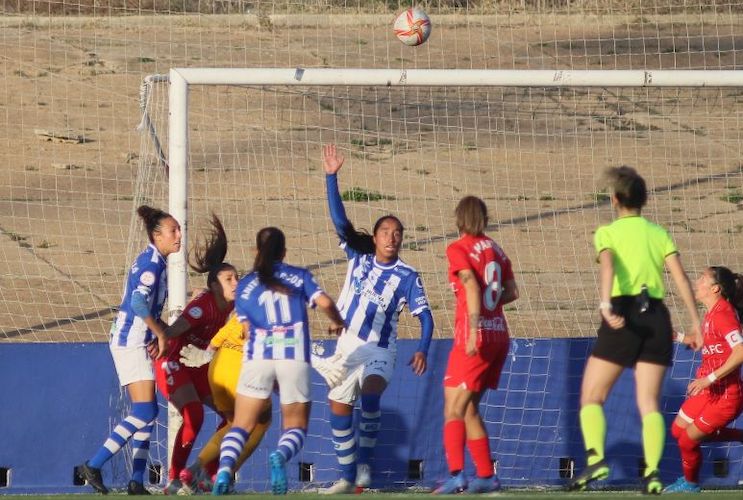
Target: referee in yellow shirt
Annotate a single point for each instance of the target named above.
(636, 329)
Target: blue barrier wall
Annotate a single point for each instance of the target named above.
(58, 402)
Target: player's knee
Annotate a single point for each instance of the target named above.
(686, 443)
(454, 413)
(676, 431)
(593, 396)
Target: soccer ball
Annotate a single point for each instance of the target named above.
(412, 26)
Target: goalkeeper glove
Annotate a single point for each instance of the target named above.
(331, 369)
(194, 357)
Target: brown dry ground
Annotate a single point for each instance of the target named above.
(534, 155)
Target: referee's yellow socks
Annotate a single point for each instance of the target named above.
(593, 426)
(653, 439)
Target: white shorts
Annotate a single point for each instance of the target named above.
(360, 361)
(133, 364)
(257, 379)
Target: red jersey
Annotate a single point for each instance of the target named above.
(492, 268)
(205, 319)
(721, 332)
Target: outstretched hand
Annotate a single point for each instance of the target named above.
(332, 160)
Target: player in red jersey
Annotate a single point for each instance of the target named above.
(481, 276)
(715, 397)
(188, 388)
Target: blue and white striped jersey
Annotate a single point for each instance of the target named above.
(374, 294)
(278, 323)
(147, 277)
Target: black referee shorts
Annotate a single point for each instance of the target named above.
(646, 336)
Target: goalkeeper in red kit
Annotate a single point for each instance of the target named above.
(482, 279)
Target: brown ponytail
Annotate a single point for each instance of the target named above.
(209, 258)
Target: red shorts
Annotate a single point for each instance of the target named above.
(476, 373)
(710, 414)
(170, 375)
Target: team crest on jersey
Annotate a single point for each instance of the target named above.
(195, 312)
(147, 278)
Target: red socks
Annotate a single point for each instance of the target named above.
(454, 439)
(691, 457)
(480, 451)
(193, 417)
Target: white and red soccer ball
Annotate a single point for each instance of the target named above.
(412, 26)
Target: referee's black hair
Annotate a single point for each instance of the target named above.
(731, 286)
(209, 258)
(271, 245)
(628, 186)
(152, 217)
(363, 242)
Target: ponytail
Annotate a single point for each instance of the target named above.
(209, 258)
(152, 217)
(271, 245)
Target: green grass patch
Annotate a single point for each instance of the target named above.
(735, 196)
(361, 194)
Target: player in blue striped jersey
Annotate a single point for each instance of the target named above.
(377, 287)
(136, 324)
(272, 305)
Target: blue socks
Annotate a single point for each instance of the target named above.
(291, 441)
(371, 418)
(344, 441)
(140, 418)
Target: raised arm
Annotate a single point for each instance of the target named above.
(332, 162)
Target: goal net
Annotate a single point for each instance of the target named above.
(532, 144)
